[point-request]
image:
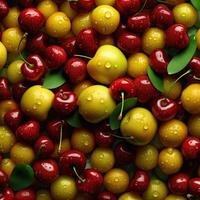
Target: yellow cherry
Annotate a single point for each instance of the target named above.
(43, 195)
(130, 196)
(11, 20)
(66, 8)
(3, 57)
(7, 165)
(81, 86)
(194, 125)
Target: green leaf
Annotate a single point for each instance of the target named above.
(180, 61)
(22, 177)
(196, 4)
(54, 79)
(155, 79)
(114, 121)
(75, 120)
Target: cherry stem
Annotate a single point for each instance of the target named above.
(82, 56)
(142, 8)
(122, 107)
(197, 78)
(78, 176)
(122, 137)
(162, 1)
(60, 142)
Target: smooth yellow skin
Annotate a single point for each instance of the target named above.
(58, 25)
(37, 101)
(108, 64)
(82, 139)
(3, 55)
(7, 165)
(140, 124)
(106, 39)
(21, 153)
(43, 195)
(7, 139)
(105, 19)
(47, 8)
(172, 90)
(137, 64)
(186, 14)
(80, 22)
(191, 98)
(146, 157)
(102, 159)
(116, 180)
(104, 2)
(96, 103)
(11, 38)
(63, 188)
(194, 125)
(198, 39)
(172, 133)
(157, 190)
(12, 57)
(130, 196)
(11, 20)
(66, 8)
(14, 71)
(81, 86)
(175, 197)
(152, 39)
(170, 160)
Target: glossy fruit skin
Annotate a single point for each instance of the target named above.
(191, 147)
(83, 5)
(72, 158)
(25, 194)
(178, 183)
(125, 85)
(194, 64)
(4, 9)
(5, 92)
(159, 61)
(164, 109)
(35, 72)
(68, 45)
(106, 196)
(162, 16)
(76, 70)
(46, 171)
(139, 23)
(129, 43)
(26, 3)
(3, 178)
(31, 20)
(7, 194)
(194, 186)
(177, 36)
(55, 57)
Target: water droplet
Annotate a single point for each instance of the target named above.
(89, 98)
(187, 99)
(108, 14)
(107, 65)
(115, 66)
(86, 143)
(155, 194)
(170, 151)
(101, 100)
(116, 179)
(34, 107)
(101, 156)
(106, 111)
(99, 63)
(145, 127)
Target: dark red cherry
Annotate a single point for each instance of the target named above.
(25, 194)
(4, 9)
(63, 88)
(5, 92)
(194, 65)
(103, 139)
(7, 194)
(106, 196)
(26, 3)
(68, 45)
(82, 5)
(3, 178)
(194, 186)
(18, 89)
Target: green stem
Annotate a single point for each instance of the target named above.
(162, 1)
(82, 56)
(60, 142)
(78, 176)
(122, 107)
(142, 8)
(122, 137)
(197, 78)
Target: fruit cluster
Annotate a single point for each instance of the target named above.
(99, 99)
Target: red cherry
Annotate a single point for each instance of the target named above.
(3, 178)
(44, 146)
(34, 69)
(1, 158)
(150, 3)
(106, 196)
(164, 108)
(194, 186)
(26, 3)
(72, 162)
(178, 183)
(7, 194)
(63, 88)
(194, 65)
(4, 9)
(180, 112)
(55, 57)
(76, 70)
(65, 102)
(120, 29)
(5, 92)
(46, 171)
(103, 139)
(139, 23)
(129, 43)
(31, 20)
(139, 182)
(68, 45)
(25, 194)
(18, 89)
(86, 41)
(191, 147)
(177, 37)
(162, 16)
(83, 5)
(159, 61)
(91, 183)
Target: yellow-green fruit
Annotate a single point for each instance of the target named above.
(104, 2)
(105, 19)
(96, 103)
(81, 86)
(102, 159)
(7, 139)
(36, 102)
(63, 188)
(198, 39)
(157, 190)
(7, 165)
(3, 55)
(175, 197)
(130, 196)
(108, 64)
(191, 98)
(194, 125)
(43, 195)
(66, 8)
(140, 124)
(11, 19)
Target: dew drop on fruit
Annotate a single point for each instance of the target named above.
(155, 194)
(116, 180)
(99, 63)
(101, 156)
(107, 14)
(101, 101)
(145, 127)
(170, 151)
(107, 65)
(89, 98)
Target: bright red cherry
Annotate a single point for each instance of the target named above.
(31, 20)
(5, 92)
(177, 37)
(7, 194)
(194, 65)
(103, 139)
(139, 182)
(178, 183)
(68, 44)
(4, 9)
(3, 178)
(191, 147)
(72, 162)
(159, 61)
(106, 196)
(83, 5)
(25, 194)
(76, 70)
(162, 16)
(46, 171)
(194, 186)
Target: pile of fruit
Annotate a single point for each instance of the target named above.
(99, 99)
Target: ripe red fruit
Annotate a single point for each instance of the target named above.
(46, 171)
(7, 194)
(31, 20)
(26, 3)
(194, 65)
(4, 9)
(68, 44)
(63, 88)
(83, 5)
(103, 139)
(25, 194)
(18, 89)
(3, 178)
(106, 196)
(5, 92)
(194, 186)
(120, 29)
